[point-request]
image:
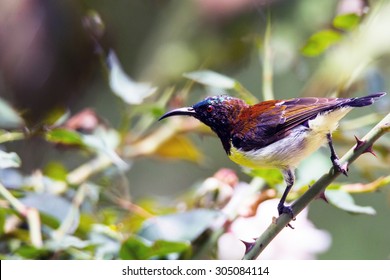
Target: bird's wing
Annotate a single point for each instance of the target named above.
(269, 121)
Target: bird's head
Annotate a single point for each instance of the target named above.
(218, 112)
(215, 111)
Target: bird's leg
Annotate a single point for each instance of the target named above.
(334, 158)
(289, 178)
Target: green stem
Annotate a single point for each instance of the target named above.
(72, 213)
(280, 223)
(245, 94)
(268, 93)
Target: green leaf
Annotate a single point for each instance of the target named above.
(134, 248)
(9, 118)
(185, 226)
(123, 86)
(320, 41)
(212, 79)
(64, 136)
(344, 201)
(56, 170)
(346, 21)
(9, 160)
(31, 252)
(271, 176)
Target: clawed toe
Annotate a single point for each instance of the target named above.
(282, 209)
(342, 168)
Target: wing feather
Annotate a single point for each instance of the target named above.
(269, 121)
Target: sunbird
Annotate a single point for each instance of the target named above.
(275, 133)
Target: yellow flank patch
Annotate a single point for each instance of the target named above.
(241, 159)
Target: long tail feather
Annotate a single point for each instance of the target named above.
(365, 100)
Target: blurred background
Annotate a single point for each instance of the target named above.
(58, 58)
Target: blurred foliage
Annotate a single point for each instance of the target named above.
(78, 202)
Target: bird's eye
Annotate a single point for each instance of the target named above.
(210, 108)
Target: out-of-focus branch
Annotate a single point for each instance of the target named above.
(31, 215)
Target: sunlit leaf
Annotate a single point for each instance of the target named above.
(185, 226)
(346, 21)
(179, 147)
(320, 41)
(212, 79)
(64, 136)
(9, 118)
(123, 86)
(136, 249)
(9, 160)
(344, 201)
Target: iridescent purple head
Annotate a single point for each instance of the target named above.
(218, 112)
(214, 111)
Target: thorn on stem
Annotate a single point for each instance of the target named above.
(360, 143)
(248, 245)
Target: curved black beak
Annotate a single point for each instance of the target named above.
(185, 111)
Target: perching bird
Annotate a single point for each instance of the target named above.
(275, 133)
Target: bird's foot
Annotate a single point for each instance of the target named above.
(342, 168)
(282, 209)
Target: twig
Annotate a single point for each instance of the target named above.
(132, 207)
(280, 223)
(6, 136)
(85, 171)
